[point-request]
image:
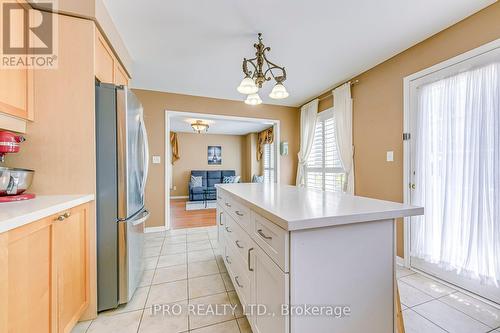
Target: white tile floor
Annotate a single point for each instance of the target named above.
(184, 266)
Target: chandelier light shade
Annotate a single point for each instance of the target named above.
(253, 99)
(279, 92)
(261, 70)
(199, 126)
(247, 86)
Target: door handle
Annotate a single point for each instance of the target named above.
(263, 235)
(249, 257)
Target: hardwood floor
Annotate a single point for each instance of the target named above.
(181, 218)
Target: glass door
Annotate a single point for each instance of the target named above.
(455, 175)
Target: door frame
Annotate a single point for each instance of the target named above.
(464, 57)
(169, 113)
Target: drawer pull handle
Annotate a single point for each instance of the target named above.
(228, 204)
(238, 282)
(249, 251)
(227, 229)
(219, 197)
(63, 216)
(239, 213)
(264, 235)
(220, 218)
(227, 260)
(238, 244)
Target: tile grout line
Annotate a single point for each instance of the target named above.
(418, 314)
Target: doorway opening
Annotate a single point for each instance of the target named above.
(224, 149)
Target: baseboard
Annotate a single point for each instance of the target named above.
(180, 197)
(400, 261)
(154, 229)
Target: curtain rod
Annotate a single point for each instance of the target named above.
(330, 94)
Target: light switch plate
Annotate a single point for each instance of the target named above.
(390, 156)
(156, 159)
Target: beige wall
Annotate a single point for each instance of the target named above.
(155, 103)
(193, 153)
(378, 104)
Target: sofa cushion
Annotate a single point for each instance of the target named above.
(201, 173)
(197, 190)
(214, 174)
(211, 182)
(227, 173)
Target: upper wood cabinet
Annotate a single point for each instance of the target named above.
(44, 280)
(107, 67)
(16, 84)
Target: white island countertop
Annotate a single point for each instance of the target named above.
(19, 213)
(297, 208)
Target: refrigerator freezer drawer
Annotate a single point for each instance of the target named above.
(130, 255)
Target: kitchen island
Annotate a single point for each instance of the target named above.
(310, 261)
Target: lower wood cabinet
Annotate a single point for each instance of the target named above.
(44, 280)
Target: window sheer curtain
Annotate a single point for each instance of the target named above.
(308, 117)
(342, 109)
(457, 174)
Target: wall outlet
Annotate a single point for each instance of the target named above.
(156, 159)
(390, 156)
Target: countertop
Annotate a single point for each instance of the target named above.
(297, 208)
(16, 214)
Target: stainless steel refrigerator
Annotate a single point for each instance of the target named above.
(122, 169)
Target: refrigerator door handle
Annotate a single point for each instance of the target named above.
(146, 155)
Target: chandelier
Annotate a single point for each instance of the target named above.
(262, 70)
(199, 126)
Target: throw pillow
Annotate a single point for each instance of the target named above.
(257, 179)
(196, 181)
(228, 180)
(236, 179)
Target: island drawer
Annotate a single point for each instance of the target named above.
(240, 276)
(240, 239)
(272, 239)
(239, 212)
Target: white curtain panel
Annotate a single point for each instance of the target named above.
(457, 174)
(308, 117)
(342, 110)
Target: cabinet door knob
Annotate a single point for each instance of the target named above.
(67, 215)
(61, 218)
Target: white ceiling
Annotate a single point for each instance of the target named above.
(182, 123)
(196, 47)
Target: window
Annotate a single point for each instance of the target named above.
(269, 163)
(324, 169)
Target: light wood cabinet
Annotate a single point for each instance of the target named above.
(44, 277)
(72, 261)
(107, 67)
(16, 84)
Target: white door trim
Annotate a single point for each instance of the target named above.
(407, 124)
(169, 113)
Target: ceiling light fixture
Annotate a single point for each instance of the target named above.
(263, 70)
(199, 126)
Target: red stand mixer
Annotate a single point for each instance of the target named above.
(13, 181)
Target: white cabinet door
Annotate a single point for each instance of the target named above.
(270, 288)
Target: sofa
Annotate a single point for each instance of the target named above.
(209, 179)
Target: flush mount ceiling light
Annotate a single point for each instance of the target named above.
(199, 126)
(262, 70)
